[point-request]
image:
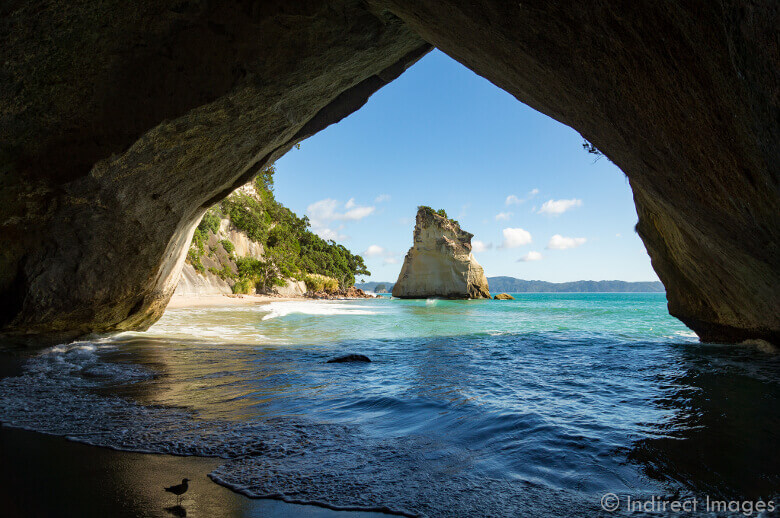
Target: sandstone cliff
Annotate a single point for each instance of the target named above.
(212, 269)
(440, 263)
(250, 243)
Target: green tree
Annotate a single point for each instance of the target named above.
(291, 248)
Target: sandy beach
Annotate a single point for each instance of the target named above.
(199, 301)
(50, 476)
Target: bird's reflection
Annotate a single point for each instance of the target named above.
(176, 510)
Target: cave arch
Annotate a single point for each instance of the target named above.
(122, 123)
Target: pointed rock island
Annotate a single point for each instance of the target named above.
(440, 262)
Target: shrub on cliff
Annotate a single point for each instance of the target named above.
(248, 215)
(316, 282)
(440, 212)
(209, 223)
(291, 248)
(244, 286)
(228, 246)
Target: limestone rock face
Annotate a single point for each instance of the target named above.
(215, 257)
(440, 262)
(193, 283)
(291, 288)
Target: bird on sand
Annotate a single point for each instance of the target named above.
(179, 489)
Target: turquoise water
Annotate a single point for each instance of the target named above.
(532, 407)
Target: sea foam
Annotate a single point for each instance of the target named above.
(324, 308)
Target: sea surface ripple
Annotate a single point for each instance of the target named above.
(531, 407)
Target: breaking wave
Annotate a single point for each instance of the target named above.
(324, 308)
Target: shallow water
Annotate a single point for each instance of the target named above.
(531, 407)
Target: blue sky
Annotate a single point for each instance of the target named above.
(538, 205)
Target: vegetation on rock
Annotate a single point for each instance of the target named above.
(316, 282)
(441, 212)
(291, 249)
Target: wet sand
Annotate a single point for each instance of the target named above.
(48, 476)
(195, 301)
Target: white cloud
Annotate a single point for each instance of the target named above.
(328, 234)
(374, 251)
(556, 207)
(322, 213)
(618, 235)
(381, 198)
(514, 237)
(530, 256)
(503, 216)
(322, 210)
(356, 214)
(327, 210)
(479, 246)
(514, 200)
(558, 242)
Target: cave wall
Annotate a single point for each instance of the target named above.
(124, 121)
(121, 122)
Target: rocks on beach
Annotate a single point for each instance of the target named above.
(348, 293)
(350, 358)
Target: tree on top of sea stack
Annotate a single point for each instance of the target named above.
(440, 262)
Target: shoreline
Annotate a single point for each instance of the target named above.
(201, 301)
(46, 475)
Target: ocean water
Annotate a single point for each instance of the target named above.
(533, 407)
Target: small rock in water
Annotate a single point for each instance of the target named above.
(347, 358)
(504, 296)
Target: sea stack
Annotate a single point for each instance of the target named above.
(440, 263)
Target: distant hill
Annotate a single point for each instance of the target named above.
(513, 285)
(371, 286)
